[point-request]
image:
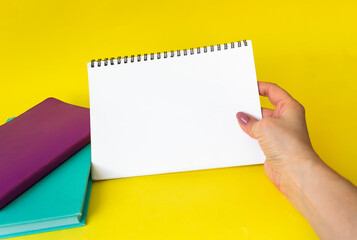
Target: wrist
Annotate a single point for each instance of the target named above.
(299, 175)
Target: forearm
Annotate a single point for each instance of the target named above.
(325, 199)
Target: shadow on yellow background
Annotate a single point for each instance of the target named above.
(307, 47)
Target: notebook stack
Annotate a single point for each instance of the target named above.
(45, 169)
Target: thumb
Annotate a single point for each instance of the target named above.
(248, 124)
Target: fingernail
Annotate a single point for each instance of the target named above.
(243, 118)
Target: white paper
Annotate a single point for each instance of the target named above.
(173, 114)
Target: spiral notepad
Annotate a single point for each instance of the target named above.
(172, 111)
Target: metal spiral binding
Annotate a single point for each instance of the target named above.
(179, 53)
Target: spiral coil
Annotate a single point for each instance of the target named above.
(184, 52)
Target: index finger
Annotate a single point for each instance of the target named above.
(275, 93)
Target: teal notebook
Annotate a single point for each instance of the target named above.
(59, 201)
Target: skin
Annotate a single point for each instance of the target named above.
(327, 200)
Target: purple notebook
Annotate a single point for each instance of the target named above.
(38, 141)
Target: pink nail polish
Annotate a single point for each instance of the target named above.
(243, 118)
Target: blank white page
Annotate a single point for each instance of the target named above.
(173, 114)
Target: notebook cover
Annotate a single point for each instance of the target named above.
(38, 141)
(173, 114)
(80, 224)
(64, 193)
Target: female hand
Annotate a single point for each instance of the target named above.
(327, 200)
(282, 135)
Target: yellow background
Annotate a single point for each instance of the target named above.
(307, 47)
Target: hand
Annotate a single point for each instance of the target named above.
(282, 135)
(324, 198)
